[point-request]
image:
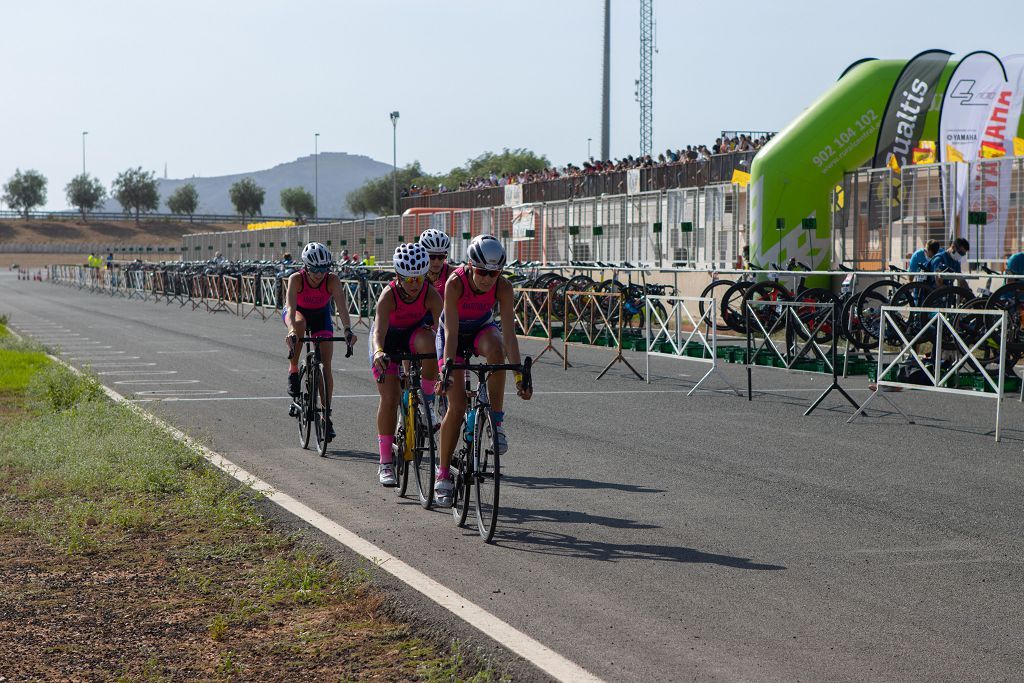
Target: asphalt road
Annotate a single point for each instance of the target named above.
(644, 534)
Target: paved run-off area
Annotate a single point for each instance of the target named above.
(644, 534)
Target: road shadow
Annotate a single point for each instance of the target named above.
(568, 483)
(567, 545)
(352, 456)
(523, 515)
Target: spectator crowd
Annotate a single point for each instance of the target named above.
(692, 154)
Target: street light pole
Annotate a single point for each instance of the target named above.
(588, 149)
(394, 163)
(316, 176)
(84, 133)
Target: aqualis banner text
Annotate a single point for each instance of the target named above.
(909, 102)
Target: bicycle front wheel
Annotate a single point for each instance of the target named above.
(321, 408)
(303, 402)
(425, 458)
(401, 441)
(460, 469)
(486, 479)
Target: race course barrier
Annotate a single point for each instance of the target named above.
(805, 326)
(594, 319)
(673, 331)
(532, 310)
(954, 334)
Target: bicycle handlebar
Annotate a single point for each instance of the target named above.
(296, 342)
(401, 358)
(525, 367)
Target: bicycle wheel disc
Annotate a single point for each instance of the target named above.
(319, 412)
(426, 457)
(401, 465)
(304, 422)
(487, 479)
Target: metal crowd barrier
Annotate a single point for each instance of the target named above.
(939, 327)
(675, 330)
(358, 308)
(594, 319)
(533, 317)
(801, 323)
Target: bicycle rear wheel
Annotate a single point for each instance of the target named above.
(304, 422)
(426, 456)
(716, 289)
(487, 479)
(320, 409)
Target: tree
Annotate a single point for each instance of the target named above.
(25, 191)
(184, 200)
(247, 197)
(136, 190)
(85, 193)
(375, 194)
(298, 202)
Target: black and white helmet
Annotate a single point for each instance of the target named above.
(411, 260)
(316, 255)
(435, 241)
(485, 251)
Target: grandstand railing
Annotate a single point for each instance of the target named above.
(717, 169)
(151, 217)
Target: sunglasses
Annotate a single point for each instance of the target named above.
(438, 257)
(480, 272)
(318, 269)
(413, 280)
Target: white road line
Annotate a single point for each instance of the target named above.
(537, 653)
(533, 651)
(190, 352)
(138, 372)
(180, 392)
(96, 356)
(249, 398)
(157, 381)
(119, 365)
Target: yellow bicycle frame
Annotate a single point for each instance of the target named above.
(410, 428)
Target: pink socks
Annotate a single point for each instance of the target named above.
(384, 444)
(428, 389)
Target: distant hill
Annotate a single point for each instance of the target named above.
(339, 174)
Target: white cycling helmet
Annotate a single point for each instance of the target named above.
(316, 256)
(411, 260)
(435, 241)
(485, 251)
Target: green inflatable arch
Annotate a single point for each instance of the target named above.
(793, 177)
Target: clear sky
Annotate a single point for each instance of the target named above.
(228, 86)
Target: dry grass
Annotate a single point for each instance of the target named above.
(123, 556)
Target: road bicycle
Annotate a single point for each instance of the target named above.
(476, 463)
(312, 406)
(415, 446)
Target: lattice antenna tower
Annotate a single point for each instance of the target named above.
(645, 84)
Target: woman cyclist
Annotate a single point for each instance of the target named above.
(308, 311)
(400, 327)
(468, 328)
(437, 245)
